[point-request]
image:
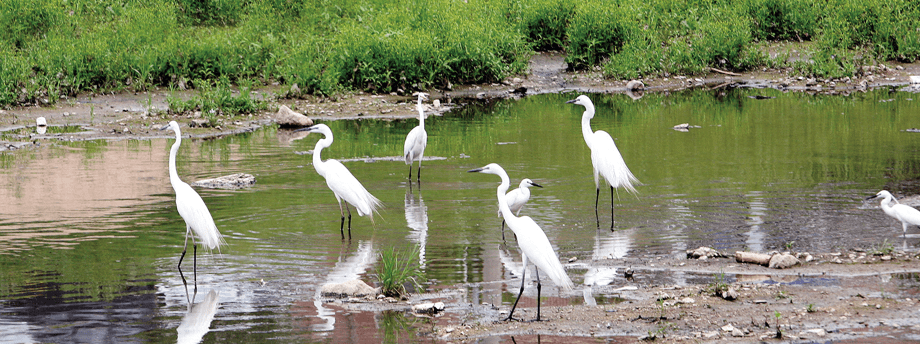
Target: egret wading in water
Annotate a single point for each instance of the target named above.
(193, 210)
(416, 140)
(906, 214)
(340, 180)
(533, 242)
(517, 198)
(605, 157)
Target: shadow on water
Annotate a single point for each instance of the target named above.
(89, 234)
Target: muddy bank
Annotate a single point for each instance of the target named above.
(140, 115)
(836, 296)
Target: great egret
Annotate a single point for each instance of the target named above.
(605, 157)
(416, 140)
(532, 241)
(340, 180)
(517, 198)
(901, 212)
(192, 209)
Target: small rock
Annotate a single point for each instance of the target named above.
(817, 331)
(436, 103)
(200, 122)
(728, 328)
(355, 288)
(885, 258)
(782, 261)
(286, 117)
(757, 302)
(233, 181)
(428, 308)
(729, 294)
(635, 85)
(573, 259)
(516, 80)
(41, 122)
(686, 300)
(702, 252)
(709, 335)
(737, 333)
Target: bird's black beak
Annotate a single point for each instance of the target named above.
(165, 127)
(535, 184)
(304, 129)
(571, 101)
(871, 197)
(476, 170)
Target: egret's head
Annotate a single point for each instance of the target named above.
(422, 96)
(492, 168)
(319, 128)
(582, 100)
(881, 194)
(171, 126)
(526, 183)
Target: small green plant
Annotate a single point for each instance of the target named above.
(397, 268)
(810, 308)
(789, 245)
(776, 317)
(718, 285)
(781, 295)
(881, 249)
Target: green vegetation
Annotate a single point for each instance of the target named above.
(718, 285)
(396, 269)
(50, 50)
(218, 99)
(882, 248)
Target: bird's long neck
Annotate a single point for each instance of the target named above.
(502, 202)
(318, 162)
(586, 123)
(886, 206)
(421, 113)
(173, 174)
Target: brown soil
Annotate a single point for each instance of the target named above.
(863, 297)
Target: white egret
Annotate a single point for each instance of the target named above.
(340, 180)
(904, 213)
(192, 209)
(416, 140)
(605, 157)
(517, 198)
(532, 241)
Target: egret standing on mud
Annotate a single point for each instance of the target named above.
(532, 241)
(193, 210)
(340, 180)
(901, 212)
(605, 157)
(416, 140)
(517, 198)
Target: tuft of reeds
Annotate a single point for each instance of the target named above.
(398, 268)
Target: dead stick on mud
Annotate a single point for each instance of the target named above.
(723, 72)
(751, 257)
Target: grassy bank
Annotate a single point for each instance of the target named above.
(50, 50)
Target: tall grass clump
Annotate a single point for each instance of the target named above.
(23, 21)
(597, 31)
(783, 19)
(215, 99)
(398, 268)
(544, 22)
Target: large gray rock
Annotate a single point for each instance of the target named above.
(353, 288)
(288, 118)
(782, 261)
(233, 181)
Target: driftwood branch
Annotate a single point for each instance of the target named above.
(751, 257)
(724, 72)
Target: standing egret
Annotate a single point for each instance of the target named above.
(193, 210)
(901, 212)
(416, 140)
(517, 198)
(605, 157)
(532, 241)
(340, 180)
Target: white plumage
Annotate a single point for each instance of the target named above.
(191, 207)
(605, 157)
(517, 198)
(531, 239)
(906, 214)
(416, 140)
(340, 180)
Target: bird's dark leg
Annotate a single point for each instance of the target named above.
(410, 173)
(342, 223)
(179, 266)
(612, 221)
(538, 293)
(597, 197)
(418, 176)
(349, 220)
(195, 264)
(521, 292)
(503, 230)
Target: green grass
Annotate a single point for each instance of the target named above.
(396, 269)
(52, 50)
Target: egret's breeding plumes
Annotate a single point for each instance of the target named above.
(605, 157)
(901, 212)
(416, 140)
(340, 180)
(192, 209)
(533, 242)
(517, 198)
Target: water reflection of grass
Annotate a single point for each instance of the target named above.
(397, 327)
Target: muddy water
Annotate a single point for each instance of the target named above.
(90, 236)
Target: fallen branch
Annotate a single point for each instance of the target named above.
(751, 257)
(724, 72)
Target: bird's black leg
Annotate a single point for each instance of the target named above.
(503, 230)
(179, 266)
(418, 176)
(410, 173)
(538, 293)
(597, 196)
(521, 292)
(195, 263)
(349, 220)
(612, 221)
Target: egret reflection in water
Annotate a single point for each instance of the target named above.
(417, 220)
(197, 322)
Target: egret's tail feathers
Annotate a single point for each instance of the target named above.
(370, 206)
(211, 239)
